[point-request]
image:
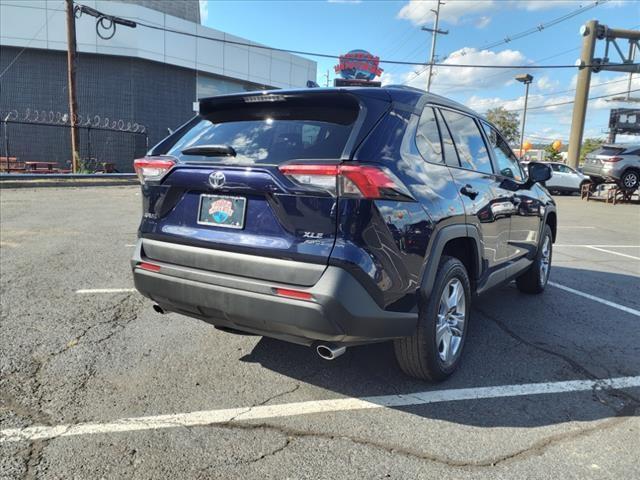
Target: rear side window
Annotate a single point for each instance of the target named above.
(271, 132)
(469, 142)
(428, 138)
(450, 154)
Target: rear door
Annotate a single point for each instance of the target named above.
(227, 191)
(525, 217)
(487, 207)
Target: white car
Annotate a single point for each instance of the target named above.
(564, 179)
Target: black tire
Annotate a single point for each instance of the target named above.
(533, 281)
(418, 355)
(630, 180)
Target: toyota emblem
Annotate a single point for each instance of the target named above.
(217, 179)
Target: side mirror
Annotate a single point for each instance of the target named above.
(539, 172)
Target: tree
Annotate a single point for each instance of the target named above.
(553, 155)
(589, 145)
(507, 122)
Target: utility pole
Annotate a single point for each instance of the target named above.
(591, 32)
(71, 83)
(434, 35)
(327, 77)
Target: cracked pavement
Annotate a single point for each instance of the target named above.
(67, 358)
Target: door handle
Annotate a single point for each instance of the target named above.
(469, 191)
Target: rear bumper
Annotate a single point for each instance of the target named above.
(341, 311)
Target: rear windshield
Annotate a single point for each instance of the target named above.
(270, 133)
(608, 151)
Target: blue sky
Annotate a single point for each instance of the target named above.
(391, 30)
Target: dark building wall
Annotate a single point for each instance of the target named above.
(112, 92)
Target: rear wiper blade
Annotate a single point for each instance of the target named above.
(210, 150)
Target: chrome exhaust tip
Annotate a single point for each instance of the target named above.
(158, 309)
(330, 352)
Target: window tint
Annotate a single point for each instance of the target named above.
(469, 143)
(555, 167)
(428, 138)
(267, 141)
(508, 165)
(450, 154)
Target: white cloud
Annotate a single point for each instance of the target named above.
(419, 12)
(388, 78)
(483, 21)
(204, 10)
(452, 79)
(548, 4)
(546, 83)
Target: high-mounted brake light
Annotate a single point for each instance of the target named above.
(359, 181)
(611, 159)
(152, 168)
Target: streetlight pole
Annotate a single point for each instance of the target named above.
(434, 35)
(526, 79)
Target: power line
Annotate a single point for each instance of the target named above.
(572, 101)
(326, 55)
(542, 26)
(525, 33)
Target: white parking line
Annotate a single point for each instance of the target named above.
(614, 253)
(600, 246)
(235, 415)
(106, 290)
(596, 299)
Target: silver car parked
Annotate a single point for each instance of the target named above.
(619, 163)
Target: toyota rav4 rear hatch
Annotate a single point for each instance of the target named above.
(221, 182)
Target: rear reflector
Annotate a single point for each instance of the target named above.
(283, 292)
(152, 168)
(149, 266)
(359, 181)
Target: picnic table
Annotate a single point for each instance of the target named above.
(41, 167)
(11, 164)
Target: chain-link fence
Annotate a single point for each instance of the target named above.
(100, 149)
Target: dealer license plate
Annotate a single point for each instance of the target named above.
(222, 211)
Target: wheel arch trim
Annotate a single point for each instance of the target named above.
(442, 237)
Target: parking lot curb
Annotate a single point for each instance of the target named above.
(11, 181)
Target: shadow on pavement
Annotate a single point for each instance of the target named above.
(513, 339)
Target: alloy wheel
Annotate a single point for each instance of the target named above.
(630, 180)
(450, 323)
(545, 261)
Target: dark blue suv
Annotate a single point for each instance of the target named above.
(340, 217)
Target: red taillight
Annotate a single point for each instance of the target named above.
(149, 266)
(611, 159)
(361, 181)
(152, 168)
(297, 294)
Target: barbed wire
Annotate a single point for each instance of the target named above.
(86, 121)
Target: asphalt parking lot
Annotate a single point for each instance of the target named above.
(95, 384)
